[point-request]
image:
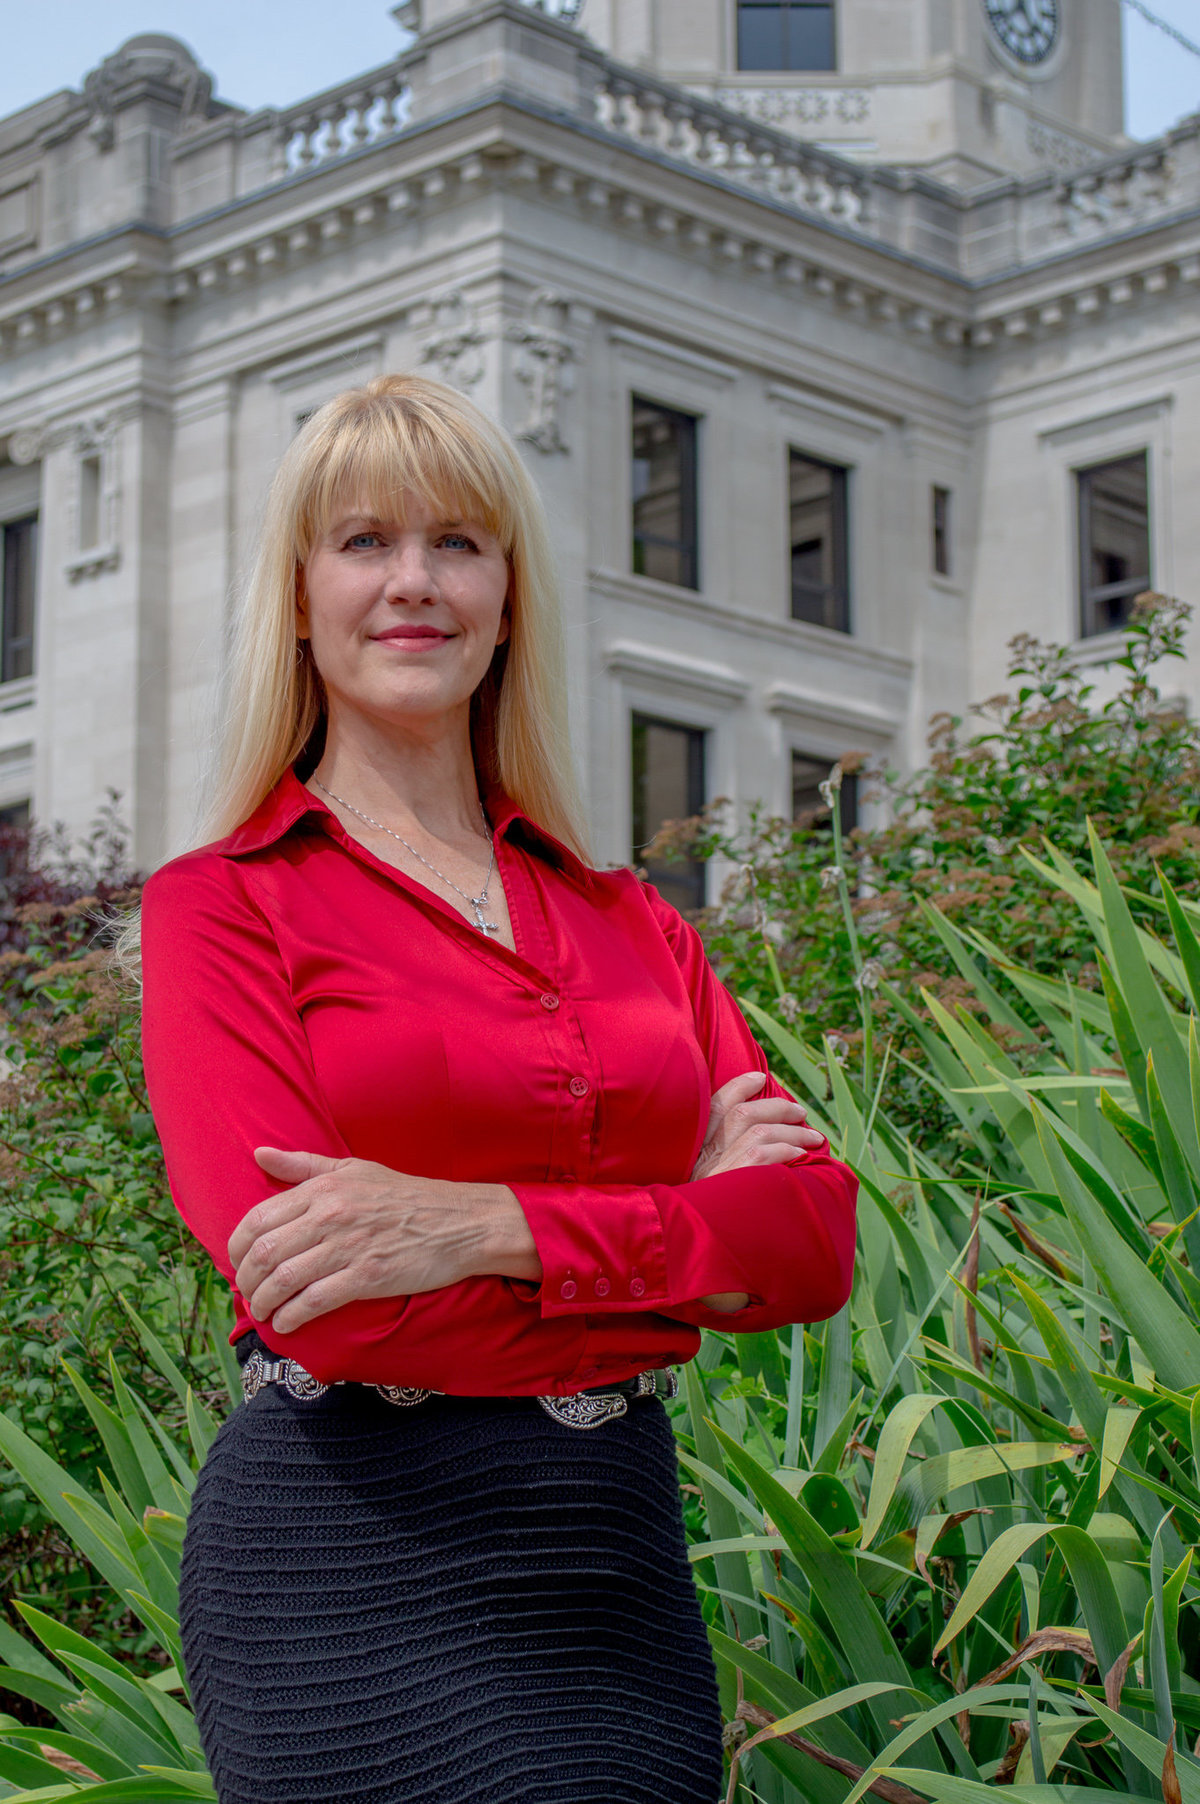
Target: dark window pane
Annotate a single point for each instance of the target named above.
(810, 38)
(941, 531)
(20, 587)
(1114, 541)
(808, 773)
(760, 37)
(786, 34)
(817, 496)
(664, 494)
(14, 837)
(668, 785)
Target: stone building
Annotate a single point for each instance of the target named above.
(845, 338)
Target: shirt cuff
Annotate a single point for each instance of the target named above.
(609, 1249)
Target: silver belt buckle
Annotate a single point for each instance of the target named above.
(301, 1385)
(589, 1410)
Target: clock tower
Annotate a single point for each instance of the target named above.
(963, 90)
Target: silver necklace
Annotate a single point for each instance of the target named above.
(479, 902)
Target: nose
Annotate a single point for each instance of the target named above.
(410, 570)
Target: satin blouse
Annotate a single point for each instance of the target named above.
(302, 993)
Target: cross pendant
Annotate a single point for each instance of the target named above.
(488, 927)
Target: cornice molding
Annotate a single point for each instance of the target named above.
(653, 664)
(363, 196)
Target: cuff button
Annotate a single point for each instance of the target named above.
(602, 1287)
(567, 1289)
(637, 1287)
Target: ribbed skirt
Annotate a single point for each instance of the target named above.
(461, 1602)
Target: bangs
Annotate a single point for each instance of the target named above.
(365, 453)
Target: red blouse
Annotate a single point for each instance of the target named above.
(302, 993)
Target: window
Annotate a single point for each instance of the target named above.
(14, 837)
(940, 525)
(664, 494)
(90, 492)
(808, 773)
(668, 785)
(1114, 541)
(19, 578)
(820, 577)
(786, 34)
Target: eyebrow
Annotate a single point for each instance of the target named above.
(452, 521)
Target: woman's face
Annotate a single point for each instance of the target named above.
(403, 615)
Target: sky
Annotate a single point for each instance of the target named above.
(272, 53)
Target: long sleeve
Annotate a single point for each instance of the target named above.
(784, 1234)
(228, 1068)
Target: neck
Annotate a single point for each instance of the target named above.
(426, 779)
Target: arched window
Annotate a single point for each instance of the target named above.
(786, 34)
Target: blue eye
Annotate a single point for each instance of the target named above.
(462, 539)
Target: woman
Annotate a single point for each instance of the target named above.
(480, 1143)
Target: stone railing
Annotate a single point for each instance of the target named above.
(658, 116)
(1127, 191)
(359, 112)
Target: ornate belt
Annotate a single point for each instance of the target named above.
(585, 1409)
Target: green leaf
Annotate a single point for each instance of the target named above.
(1119, 1424)
(1164, 1333)
(895, 1438)
(862, 1633)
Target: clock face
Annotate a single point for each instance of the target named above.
(1028, 29)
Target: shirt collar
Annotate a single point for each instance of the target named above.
(290, 800)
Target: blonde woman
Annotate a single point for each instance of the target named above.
(479, 1142)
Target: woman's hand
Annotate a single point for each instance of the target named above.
(349, 1229)
(743, 1131)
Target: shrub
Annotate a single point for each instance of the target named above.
(1063, 744)
(85, 1214)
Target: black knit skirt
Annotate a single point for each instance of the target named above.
(459, 1602)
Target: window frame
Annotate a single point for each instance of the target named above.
(941, 530)
(840, 532)
(785, 8)
(688, 545)
(1089, 595)
(695, 872)
(849, 791)
(10, 645)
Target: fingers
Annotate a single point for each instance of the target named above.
(748, 1152)
(739, 1089)
(266, 1217)
(308, 1268)
(277, 1248)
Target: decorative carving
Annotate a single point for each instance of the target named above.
(1055, 149)
(93, 498)
(151, 56)
(544, 364)
(454, 345)
(790, 108)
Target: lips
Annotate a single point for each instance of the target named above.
(412, 632)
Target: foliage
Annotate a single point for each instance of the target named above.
(1064, 743)
(946, 1541)
(121, 1736)
(949, 1537)
(85, 1213)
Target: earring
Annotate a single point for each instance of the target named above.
(299, 651)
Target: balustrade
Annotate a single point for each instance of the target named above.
(660, 117)
(345, 119)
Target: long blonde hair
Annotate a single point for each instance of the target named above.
(369, 446)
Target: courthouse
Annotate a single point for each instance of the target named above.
(844, 338)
